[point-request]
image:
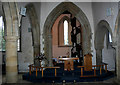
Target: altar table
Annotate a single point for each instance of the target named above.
(68, 63)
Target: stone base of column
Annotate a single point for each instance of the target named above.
(116, 81)
(11, 77)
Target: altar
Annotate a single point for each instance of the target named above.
(68, 63)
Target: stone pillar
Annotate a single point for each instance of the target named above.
(50, 50)
(11, 59)
(36, 50)
(36, 54)
(98, 57)
(118, 58)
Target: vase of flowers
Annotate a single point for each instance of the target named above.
(41, 60)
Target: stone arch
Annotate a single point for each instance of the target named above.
(57, 11)
(103, 27)
(31, 12)
(65, 18)
(117, 25)
(117, 29)
(116, 44)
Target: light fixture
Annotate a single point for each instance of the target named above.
(23, 11)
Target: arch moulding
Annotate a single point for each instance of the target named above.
(103, 27)
(81, 17)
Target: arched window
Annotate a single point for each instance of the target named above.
(66, 33)
(110, 38)
(2, 40)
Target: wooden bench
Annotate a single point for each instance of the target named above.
(104, 66)
(38, 67)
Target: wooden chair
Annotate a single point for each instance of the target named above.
(88, 62)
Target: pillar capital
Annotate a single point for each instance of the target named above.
(11, 38)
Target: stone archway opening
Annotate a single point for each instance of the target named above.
(103, 45)
(67, 42)
(35, 27)
(57, 11)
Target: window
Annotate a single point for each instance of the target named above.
(110, 38)
(2, 40)
(66, 33)
(18, 45)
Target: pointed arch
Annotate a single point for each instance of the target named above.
(31, 12)
(103, 27)
(81, 17)
(117, 25)
(117, 29)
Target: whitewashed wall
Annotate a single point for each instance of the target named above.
(100, 13)
(108, 56)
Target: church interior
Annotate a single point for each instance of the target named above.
(60, 42)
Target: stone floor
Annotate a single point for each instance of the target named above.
(111, 81)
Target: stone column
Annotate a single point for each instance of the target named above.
(36, 50)
(98, 57)
(11, 59)
(118, 58)
(36, 54)
(50, 50)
